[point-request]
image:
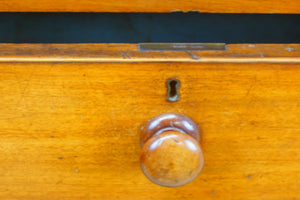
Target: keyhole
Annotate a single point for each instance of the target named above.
(173, 85)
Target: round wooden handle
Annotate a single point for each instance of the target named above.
(171, 154)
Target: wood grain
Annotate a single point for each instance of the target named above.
(171, 158)
(235, 53)
(71, 130)
(203, 6)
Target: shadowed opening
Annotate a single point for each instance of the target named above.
(192, 27)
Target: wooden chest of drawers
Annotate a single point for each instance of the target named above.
(71, 117)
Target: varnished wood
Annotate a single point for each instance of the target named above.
(71, 130)
(236, 53)
(171, 158)
(203, 6)
(167, 121)
(171, 154)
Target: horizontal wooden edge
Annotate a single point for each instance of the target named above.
(268, 12)
(154, 6)
(115, 52)
(157, 11)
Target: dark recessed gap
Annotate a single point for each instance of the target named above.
(148, 27)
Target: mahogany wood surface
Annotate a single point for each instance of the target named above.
(71, 129)
(203, 6)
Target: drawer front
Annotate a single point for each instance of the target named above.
(72, 130)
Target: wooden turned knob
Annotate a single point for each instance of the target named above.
(171, 154)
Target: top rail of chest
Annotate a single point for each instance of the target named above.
(203, 6)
